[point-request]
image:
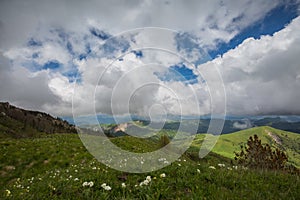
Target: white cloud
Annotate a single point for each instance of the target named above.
(261, 75)
(213, 20)
(251, 72)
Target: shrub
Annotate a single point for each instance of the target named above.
(259, 156)
(164, 140)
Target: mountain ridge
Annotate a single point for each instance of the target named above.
(18, 122)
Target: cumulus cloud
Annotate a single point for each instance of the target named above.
(45, 46)
(212, 21)
(260, 75)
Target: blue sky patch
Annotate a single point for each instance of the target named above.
(178, 73)
(138, 54)
(34, 43)
(114, 45)
(73, 75)
(51, 65)
(273, 22)
(99, 33)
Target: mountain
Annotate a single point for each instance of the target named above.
(16, 122)
(187, 123)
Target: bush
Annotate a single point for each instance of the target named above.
(259, 156)
(164, 140)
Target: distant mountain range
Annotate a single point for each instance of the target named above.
(232, 123)
(16, 122)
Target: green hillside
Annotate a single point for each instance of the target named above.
(287, 141)
(58, 166)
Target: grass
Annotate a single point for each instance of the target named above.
(56, 166)
(228, 143)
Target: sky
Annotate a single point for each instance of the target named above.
(151, 58)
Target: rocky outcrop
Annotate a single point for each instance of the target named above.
(43, 122)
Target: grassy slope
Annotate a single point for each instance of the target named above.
(229, 143)
(48, 168)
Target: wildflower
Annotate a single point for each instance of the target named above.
(84, 184)
(179, 164)
(76, 179)
(211, 167)
(148, 178)
(198, 170)
(235, 167)
(163, 175)
(123, 185)
(107, 188)
(8, 193)
(145, 182)
(94, 168)
(90, 184)
(221, 165)
(229, 168)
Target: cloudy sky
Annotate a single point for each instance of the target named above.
(151, 57)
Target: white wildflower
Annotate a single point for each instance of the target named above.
(84, 184)
(107, 188)
(8, 193)
(76, 179)
(145, 182)
(221, 165)
(148, 178)
(198, 170)
(123, 185)
(211, 167)
(163, 175)
(90, 184)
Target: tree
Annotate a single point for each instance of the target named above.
(164, 140)
(259, 156)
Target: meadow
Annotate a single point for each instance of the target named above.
(58, 166)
